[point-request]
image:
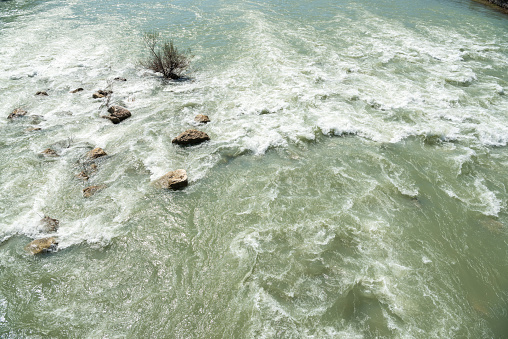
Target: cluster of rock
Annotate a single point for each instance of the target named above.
(172, 180)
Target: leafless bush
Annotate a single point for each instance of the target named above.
(164, 57)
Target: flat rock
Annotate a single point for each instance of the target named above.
(101, 94)
(18, 112)
(202, 119)
(49, 225)
(96, 153)
(117, 114)
(42, 245)
(91, 190)
(172, 180)
(191, 137)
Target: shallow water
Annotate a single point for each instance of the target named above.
(354, 185)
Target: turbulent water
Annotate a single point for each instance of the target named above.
(355, 183)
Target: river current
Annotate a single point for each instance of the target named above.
(355, 184)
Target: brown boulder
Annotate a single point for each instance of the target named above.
(202, 119)
(101, 94)
(96, 153)
(191, 137)
(18, 112)
(49, 225)
(42, 245)
(117, 114)
(91, 190)
(172, 180)
(48, 152)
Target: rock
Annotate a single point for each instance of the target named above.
(18, 112)
(91, 190)
(49, 225)
(172, 180)
(83, 175)
(77, 90)
(120, 79)
(96, 153)
(43, 93)
(101, 94)
(117, 114)
(33, 129)
(48, 152)
(201, 118)
(42, 245)
(191, 137)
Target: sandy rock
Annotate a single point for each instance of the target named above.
(49, 225)
(191, 137)
(42, 245)
(96, 153)
(18, 112)
(172, 180)
(202, 119)
(48, 152)
(91, 190)
(101, 94)
(117, 114)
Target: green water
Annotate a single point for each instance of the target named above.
(354, 185)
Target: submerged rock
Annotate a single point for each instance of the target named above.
(117, 114)
(48, 152)
(96, 153)
(18, 112)
(43, 93)
(42, 245)
(202, 119)
(91, 190)
(89, 170)
(120, 79)
(101, 94)
(172, 180)
(49, 225)
(191, 137)
(33, 129)
(77, 90)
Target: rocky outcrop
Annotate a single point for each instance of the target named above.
(42, 245)
(91, 190)
(172, 180)
(202, 119)
(17, 113)
(500, 3)
(101, 94)
(49, 225)
(96, 153)
(117, 114)
(191, 137)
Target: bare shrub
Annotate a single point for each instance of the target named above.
(164, 57)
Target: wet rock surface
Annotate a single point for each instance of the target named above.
(117, 114)
(191, 137)
(42, 245)
(172, 180)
